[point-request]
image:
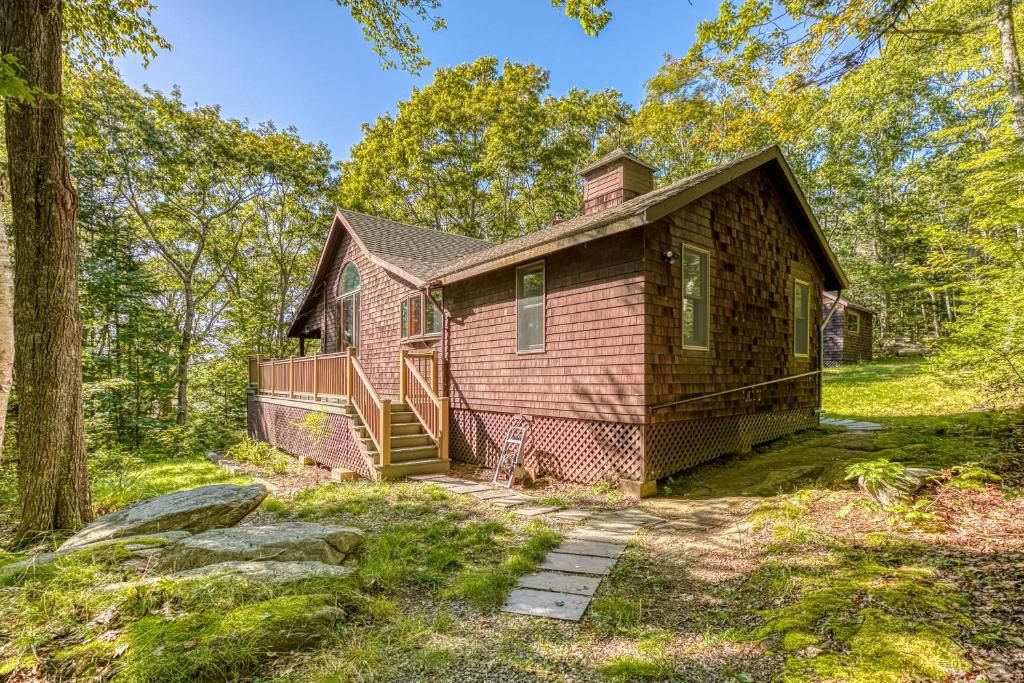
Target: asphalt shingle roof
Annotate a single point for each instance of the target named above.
(417, 251)
(580, 224)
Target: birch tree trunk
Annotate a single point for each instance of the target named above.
(6, 320)
(1011, 61)
(53, 487)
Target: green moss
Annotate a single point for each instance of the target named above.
(637, 668)
(868, 619)
(224, 646)
(883, 649)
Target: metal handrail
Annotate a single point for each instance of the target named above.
(732, 391)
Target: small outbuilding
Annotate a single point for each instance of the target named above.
(848, 333)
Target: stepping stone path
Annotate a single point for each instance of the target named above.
(570, 574)
(854, 425)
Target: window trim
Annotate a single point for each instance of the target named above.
(707, 296)
(356, 299)
(543, 307)
(425, 300)
(852, 315)
(796, 283)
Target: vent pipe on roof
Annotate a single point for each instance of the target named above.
(615, 179)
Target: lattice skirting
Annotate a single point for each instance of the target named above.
(675, 446)
(579, 451)
(279, 426)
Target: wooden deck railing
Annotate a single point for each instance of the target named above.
(309, 377)
(375, 411)
(421, 395)
(341, 376)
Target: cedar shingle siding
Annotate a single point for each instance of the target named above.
(842, 345)
(613, 323)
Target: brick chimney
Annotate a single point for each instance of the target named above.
(613, 179)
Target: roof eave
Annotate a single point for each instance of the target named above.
(585, 234)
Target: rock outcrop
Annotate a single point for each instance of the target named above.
(193, 510)
(287, 542)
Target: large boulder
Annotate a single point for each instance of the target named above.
(192, 510)
(290, 541)
(265, 571)
(142, 545)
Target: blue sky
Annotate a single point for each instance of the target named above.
(305, 63)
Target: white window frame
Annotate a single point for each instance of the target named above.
(796, 283)
(707, 296)
(543, 306)
(852, 315)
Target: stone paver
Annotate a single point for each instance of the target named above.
(855, 425)
(561, 583)
(571, 573)
(591, 548)
(546, 604)
(572, 515)
(469, 488)
(534, 511)
(577, 564)
(490, 494)
(511, 501)
(588, 534)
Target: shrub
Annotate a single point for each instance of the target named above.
(260, 454)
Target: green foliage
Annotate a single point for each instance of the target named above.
(314, 425)
(971, 475)
(507, 149)
(387, 25)
(260, 454)
(12, 86)
(876, 473)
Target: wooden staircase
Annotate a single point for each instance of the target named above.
(412, 449)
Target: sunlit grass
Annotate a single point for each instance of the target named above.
(892, 390)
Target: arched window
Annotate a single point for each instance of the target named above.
(348, 307)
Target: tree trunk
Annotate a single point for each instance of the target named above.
(53, 485)
(1011, 61)
(185, 355)
(6, 320)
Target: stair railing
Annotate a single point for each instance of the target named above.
(421, 396)
(374, 411)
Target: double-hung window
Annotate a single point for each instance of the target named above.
(696, 319)
(852, 322)
(530, 308)
(801, 317)
(421, 316)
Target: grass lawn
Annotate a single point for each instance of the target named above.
(771, 567)
(896, 391)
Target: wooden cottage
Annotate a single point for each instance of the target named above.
(848, 332)
(660, 329)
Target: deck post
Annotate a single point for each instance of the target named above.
(403, 380)
(442, 437)
(291, 377)
(316, 378)
(385, 432)
(349, 374)
(433, 372)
